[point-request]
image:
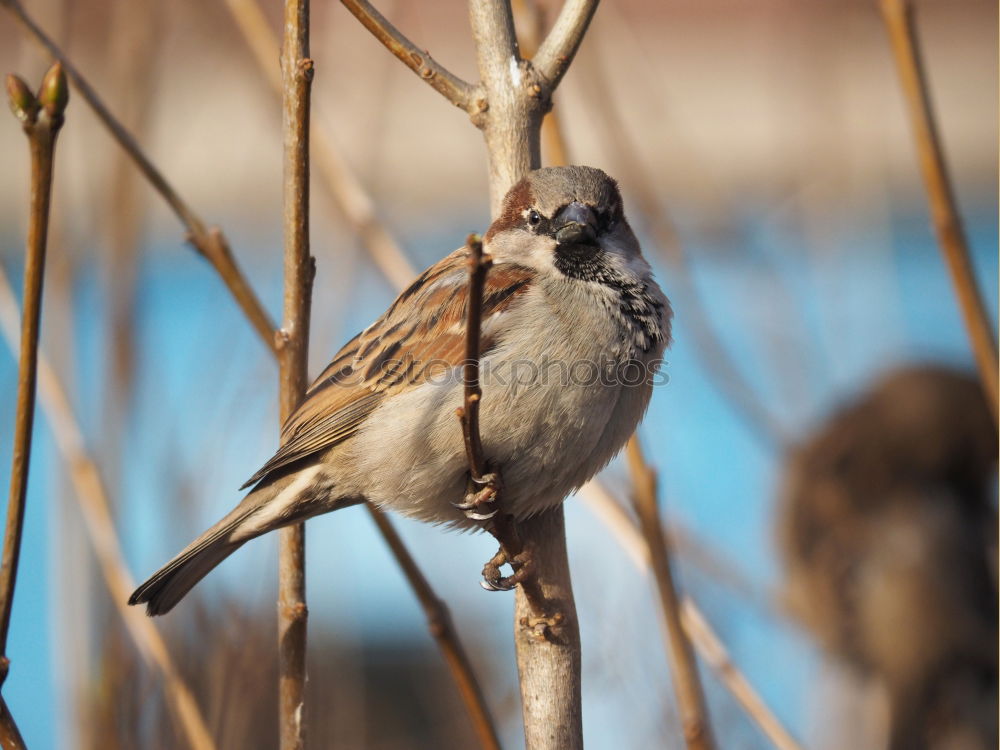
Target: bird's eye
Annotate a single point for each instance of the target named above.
(534, 217)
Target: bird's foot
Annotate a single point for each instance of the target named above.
(521, 563)
(480, 505)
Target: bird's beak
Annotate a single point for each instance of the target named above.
(576, 224)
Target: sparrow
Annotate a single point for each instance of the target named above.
(888, 533)
(573, 331)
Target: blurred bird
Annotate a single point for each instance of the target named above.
(573, 329)
(888, 532)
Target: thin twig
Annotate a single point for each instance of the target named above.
(479, 266)
(443, 629)
(10, 735)
(683, 667)
(41, 117)
(358, 208)
(704, 639)
(208, 241)
(899, 22)
(349, 196)
(95, 507)
(600, 501)
(502, 526)
(439, 78)
(557, 51)
(715, 655)
(293, 348)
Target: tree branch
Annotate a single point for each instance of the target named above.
(479, 266)
(547, 641)
(443, 629)
(41, 118)
(293, 348)
(529, 20)
(899, 22)
(348, 194)
(95, 507)
(705, 640)
(683, 667)
(557, 51)
(514, 102)
(715, 655)
(10, 735)
(439, 78)
(358, 207)
(209, 242)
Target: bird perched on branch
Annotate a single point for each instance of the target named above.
(889, 539)
(573, 328)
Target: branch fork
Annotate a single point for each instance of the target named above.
(541, 75)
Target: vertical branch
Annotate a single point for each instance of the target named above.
(443, 630)
(510, 115)
(95, 508)
(293, 343)
(683, 667)
(516, 99)
(479, 266)
(41, 118)
(898, 17)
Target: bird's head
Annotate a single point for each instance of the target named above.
(567, 220)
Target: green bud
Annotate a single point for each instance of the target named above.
(22, 102)
(53, 94)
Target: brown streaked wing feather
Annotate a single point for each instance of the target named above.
(426, 323)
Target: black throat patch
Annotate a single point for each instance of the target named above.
(638, 311)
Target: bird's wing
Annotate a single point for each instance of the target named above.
(422, 334)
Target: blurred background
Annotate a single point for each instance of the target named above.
(765, 143)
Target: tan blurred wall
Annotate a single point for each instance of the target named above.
(771, 100)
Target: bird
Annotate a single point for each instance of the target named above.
(573, 332)
(888, 534)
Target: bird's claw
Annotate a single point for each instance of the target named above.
(493, 581)
(473, 507)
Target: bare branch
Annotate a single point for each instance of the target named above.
(529, 18)
(10, 735)
(209, 242)
(358, 208)
(599, 500)
(899, 22)
(348, 194)
(557, 51)
(297, 74)
(716, 656)
(513, 103)
(443, 629)
(439, 78)
(704, 639)
(95, 508)
(41, 118)
(546, 632)
(683, 667)
(479, 266)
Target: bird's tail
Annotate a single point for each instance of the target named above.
(169, 584)
(279, 501)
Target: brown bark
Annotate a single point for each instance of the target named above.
(899, 22)
(41, 117)
(293, 347)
